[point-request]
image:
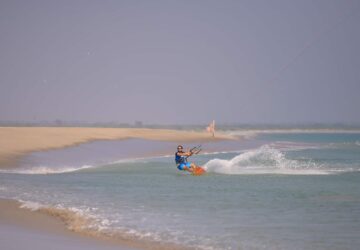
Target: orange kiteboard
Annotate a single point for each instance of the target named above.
(198, 171)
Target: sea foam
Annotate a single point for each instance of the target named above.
(264, 160)
(84, 220)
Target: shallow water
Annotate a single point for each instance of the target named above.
(271, 192)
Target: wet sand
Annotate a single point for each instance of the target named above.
(25, 229)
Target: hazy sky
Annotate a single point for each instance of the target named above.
(182, 62)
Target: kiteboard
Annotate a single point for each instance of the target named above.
(198, 171)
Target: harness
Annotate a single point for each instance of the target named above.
(180, 159)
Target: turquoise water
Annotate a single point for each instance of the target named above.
(279, 191)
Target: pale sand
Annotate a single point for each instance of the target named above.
(17, 141)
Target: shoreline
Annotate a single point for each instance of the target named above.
(292, 131)
(56, 223)
(19, 141)
(23, 221)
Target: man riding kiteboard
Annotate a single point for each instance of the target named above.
(181, 159)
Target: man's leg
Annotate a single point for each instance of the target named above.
(194, 166)
(189, 169)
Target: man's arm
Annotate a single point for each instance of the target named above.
(185, 153)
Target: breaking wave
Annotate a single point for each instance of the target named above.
(75, 219)
(267, 160)
(86, 221)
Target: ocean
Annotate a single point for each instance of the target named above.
(296, 190)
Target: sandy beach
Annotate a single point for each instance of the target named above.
(17, 141)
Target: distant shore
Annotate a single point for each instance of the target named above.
(18, 141)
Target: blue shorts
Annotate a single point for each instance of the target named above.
(182, 165)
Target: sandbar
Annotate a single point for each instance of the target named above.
(17, 141)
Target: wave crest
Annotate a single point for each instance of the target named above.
(45, 170)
